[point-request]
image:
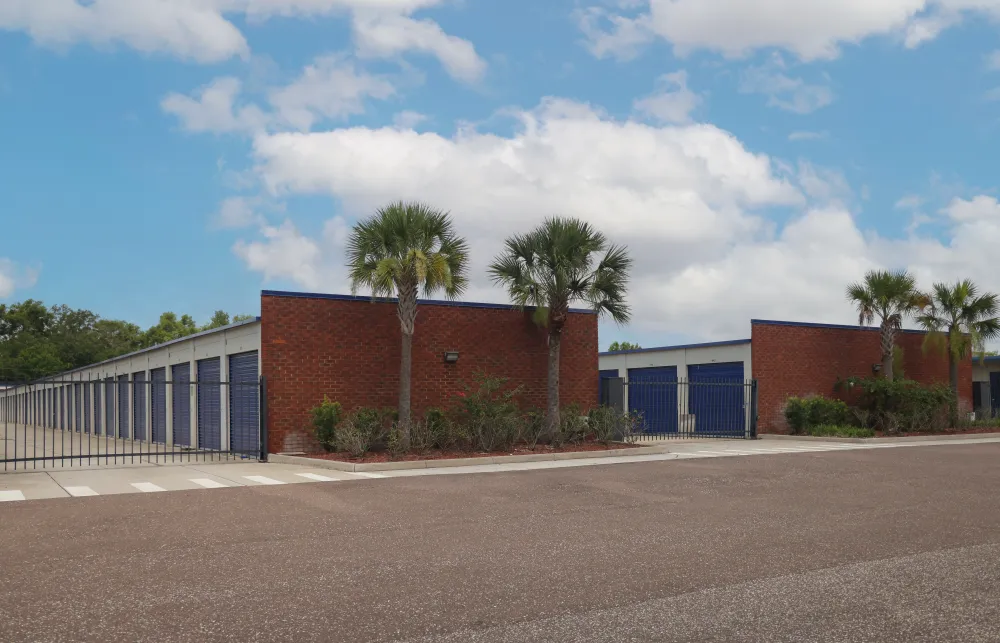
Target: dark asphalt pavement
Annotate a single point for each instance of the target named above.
(868, 545)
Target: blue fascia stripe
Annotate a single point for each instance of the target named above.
(392, 300)
(732, 342)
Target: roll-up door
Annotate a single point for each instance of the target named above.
(209, 404)
(244, 409)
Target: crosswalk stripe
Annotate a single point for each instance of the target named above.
(365, 474)
(263, 480)
(79, 492)
(11, 496)
(208, 483)
(147, 487)
(317, 477)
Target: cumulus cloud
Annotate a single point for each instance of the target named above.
(202, 30)
(15, 277)
(331, 87)
(697, 209)
(608, 34)
(817, 29)
(213, 109)
(673, 102)
(782, 91)
(380, 35)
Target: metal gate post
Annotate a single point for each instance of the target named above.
(263, 418)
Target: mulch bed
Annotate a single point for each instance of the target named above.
(446, 455)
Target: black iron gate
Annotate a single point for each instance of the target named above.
(681, 408)
(67, 423)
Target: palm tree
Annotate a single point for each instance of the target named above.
(889, 296)
(960, 321)
(403, 247)
(554, 265)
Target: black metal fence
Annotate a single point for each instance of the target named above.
(131, 420)
(682, 408)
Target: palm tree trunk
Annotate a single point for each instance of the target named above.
(952, 369)
(555, 341)
(407, 312)
(888, 343)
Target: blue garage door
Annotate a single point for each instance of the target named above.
(995, 392)
(123, 398)
(139, 395)
(652, 393)
(78, 408)
(244, 405)
(62, 408)
(716, 394)
(109, 406)
(209, 404)
(158, 411)
(180, 374)
(85, 396)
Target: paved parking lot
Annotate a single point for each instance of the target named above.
(896, 544)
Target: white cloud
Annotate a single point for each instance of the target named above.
(805, 135)
(408, 119)
(672, 103)
(331, 87)
(381, 35)
(14, 277)
(690, 201)
(190, 29)
(621, 36)
(816, 29)
(909, 202)
(213, 109)
(239, 212)
(787, 93)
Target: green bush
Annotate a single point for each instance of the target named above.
(533, 427)
(608, 424)
(902, 405)
(364, 430)
(572, 426)
(488, 413)
(803, 413)
(325, 419)
(436, 431)
(834, 431)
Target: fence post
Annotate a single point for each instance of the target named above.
(753, 410)
(263, 418)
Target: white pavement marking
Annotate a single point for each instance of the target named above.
(147, 487)
(365, 474)
(317, 477)
(263, 480)
(79, 492)
(11, 496)
(208, 483)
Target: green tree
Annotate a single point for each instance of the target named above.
(562, 261)
(960, 321)
(402, 248)
(168, 329)
(219, 319)
(889, 297)
(623, 346)
(242, 318)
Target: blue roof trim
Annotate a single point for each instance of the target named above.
(203, 333)
(425, 302)
(772, 322)
(731, 342)
(994, 359)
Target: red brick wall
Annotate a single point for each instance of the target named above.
(349, 349)
(797, 360)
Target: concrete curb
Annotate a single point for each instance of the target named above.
(336, 465)
(906, 440)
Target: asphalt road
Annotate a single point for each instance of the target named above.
(869, 545)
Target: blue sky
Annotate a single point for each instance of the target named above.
(182, 156)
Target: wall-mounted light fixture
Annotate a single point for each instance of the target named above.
(876, 368)
(450, 357)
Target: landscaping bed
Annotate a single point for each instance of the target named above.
(383, 456)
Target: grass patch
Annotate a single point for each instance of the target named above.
(835, 431)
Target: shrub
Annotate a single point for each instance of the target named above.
(533, 427)
(572, 426)
(488, 413)
(325, 419)
(608, 424)
(802, 413)
(436, 431)
(834, 431)
(363, 430)
(903, 405)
